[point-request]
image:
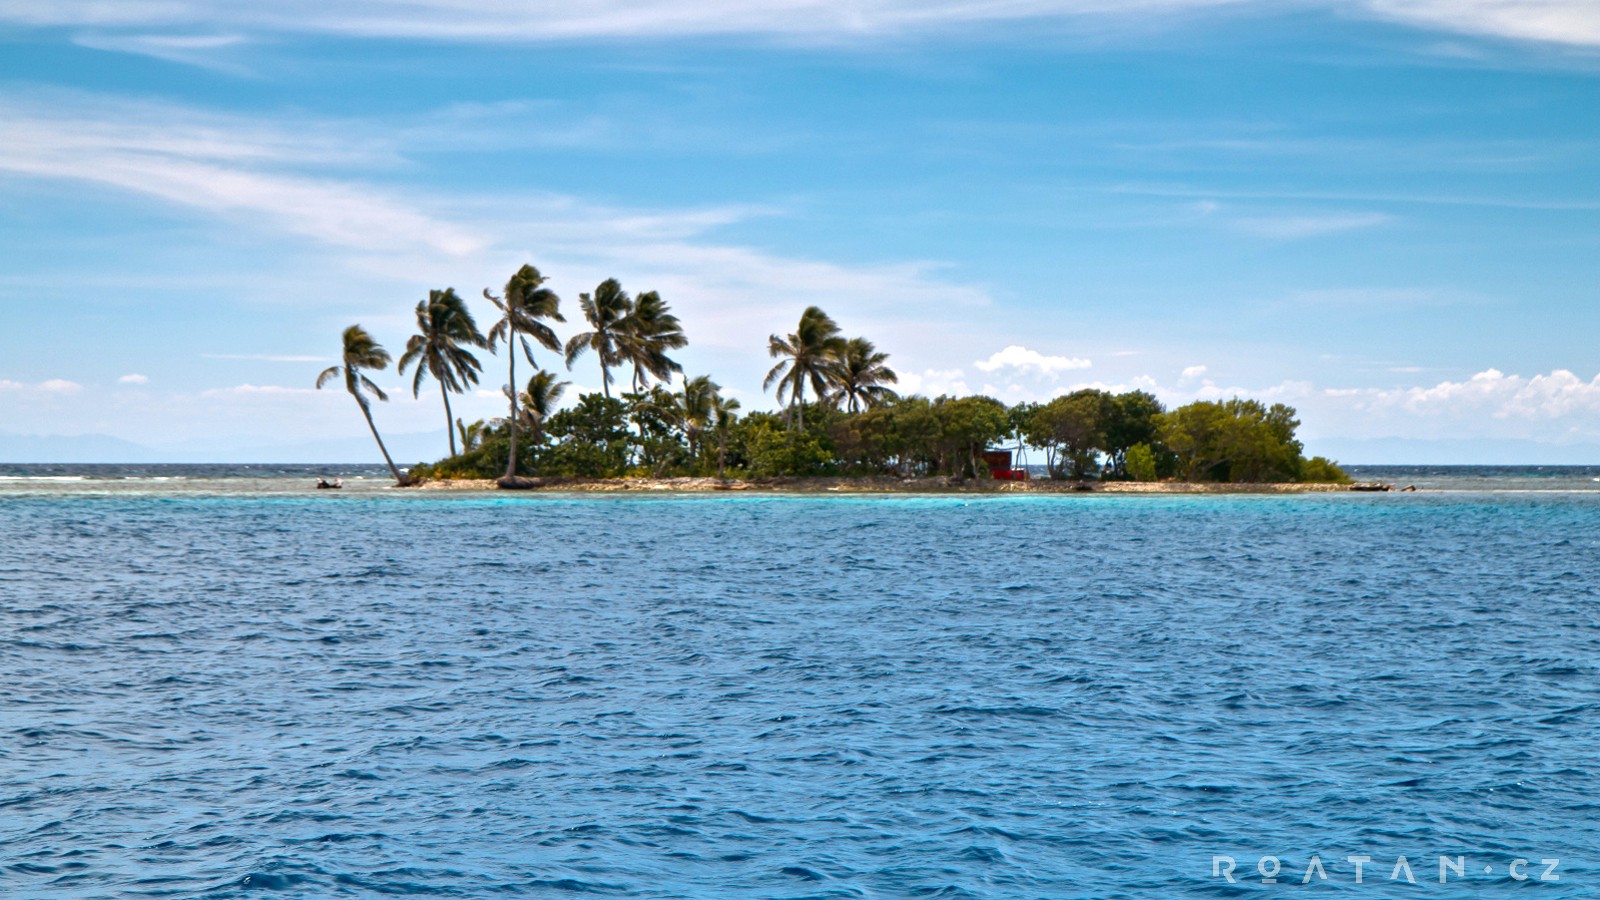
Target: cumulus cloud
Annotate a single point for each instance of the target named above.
(1491, 392)
(57, 386)
(1021, 359)
(134, 379)
(933, 382)
(1191, 373)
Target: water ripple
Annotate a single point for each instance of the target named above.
(788, 697)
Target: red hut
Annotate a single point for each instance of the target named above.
(1000, 469)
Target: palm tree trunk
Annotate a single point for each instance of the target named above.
(399, 479)
(449, 420)
(722, 454)
(800, 404)
(511, 350)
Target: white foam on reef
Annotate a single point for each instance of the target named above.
(44, 478)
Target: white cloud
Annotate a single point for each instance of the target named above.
(1492, 393)
(1191, 373)
(1380, 298)
(244, 170)
(55, 386)
(267, 357)
(1021, 359)
(208, 51)
(1565, 22)
(204, 162)
(134, 379)
(933, 382)
(1290, 228)
(248, 390)
(1571, 22)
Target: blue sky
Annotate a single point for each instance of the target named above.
(1383, 212)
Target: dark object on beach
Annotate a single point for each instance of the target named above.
(1410, 488)
(324, 484)
(1371, 486)
(1081, 485)
(518, 482)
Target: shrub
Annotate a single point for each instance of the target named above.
(1141, 463)
(1321, 470)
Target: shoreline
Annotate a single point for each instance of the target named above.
(871, 485)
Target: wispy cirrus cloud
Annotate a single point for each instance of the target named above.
(267, 357)
(1290, 228)
(203, 161)
(207, 51)
(1573, 23)
(255, 173)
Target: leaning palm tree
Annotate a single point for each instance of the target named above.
(362, 352)
(439, 348)
(604, 311)
(806, 355)
(645, 335)
(724, 411)
(539, 400)
(523, 304)
(859, 375)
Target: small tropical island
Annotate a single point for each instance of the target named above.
(841, 425)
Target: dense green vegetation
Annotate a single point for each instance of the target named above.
(839, 415)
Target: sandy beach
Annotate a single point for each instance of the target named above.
(878, 485)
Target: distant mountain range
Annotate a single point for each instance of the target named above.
(1453, 452)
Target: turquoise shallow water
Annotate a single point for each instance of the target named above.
(236, 694)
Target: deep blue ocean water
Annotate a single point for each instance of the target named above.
(259, 693)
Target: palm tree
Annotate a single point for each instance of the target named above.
(645, 335)
(444, 325)
(539, 400)
(471, 435)
(524, 302)
(605, 311)
(696, 410)
(859, 375)
(810, 353)
(724, 411)
(362, 352)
